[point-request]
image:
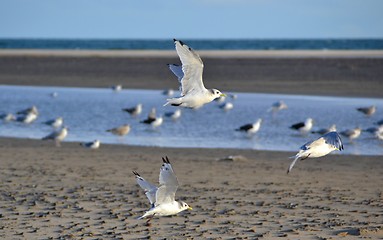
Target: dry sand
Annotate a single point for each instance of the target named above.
(70, 192)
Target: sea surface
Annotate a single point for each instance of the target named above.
(201, 44)
(89, 112)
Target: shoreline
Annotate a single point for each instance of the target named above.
(322, 73)
(202, 53)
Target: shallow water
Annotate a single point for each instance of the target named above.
(89, 112)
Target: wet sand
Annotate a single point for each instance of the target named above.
(333, 73)
(69, 192)
(74, 193)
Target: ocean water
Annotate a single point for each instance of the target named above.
(201, 44)
(89, 112)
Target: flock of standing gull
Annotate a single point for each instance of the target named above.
(194, 95)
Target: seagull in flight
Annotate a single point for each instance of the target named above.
(162, 198)
(318, 148)
(193, 92)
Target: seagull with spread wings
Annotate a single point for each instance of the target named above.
(318, 148)
(193, 92)
(162, 198)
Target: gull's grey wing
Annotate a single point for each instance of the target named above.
(192, 67)
(150, 189)
(333, 139)
(168, 183)
(177, 70)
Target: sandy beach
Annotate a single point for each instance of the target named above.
(70, 192)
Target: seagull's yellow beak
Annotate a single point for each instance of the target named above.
(222, 95)
(190, 208)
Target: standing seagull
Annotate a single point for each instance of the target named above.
(174, 115)
(57, 136)
(121, 130)
(7, 117)
(352, 134)
(303, 127)
(27, 111)
(162, 199)
(193, 92)
(318, 148)
(277, 106)
(92, 145)
(251, 128)
(27, 118)
(56, 123)
(226, 106)
(322, 131)
(151, 117)
(134, 111)
(368, 111)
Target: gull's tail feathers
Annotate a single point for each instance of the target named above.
(173, 101)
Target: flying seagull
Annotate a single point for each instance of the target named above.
(162, 198)
(318, 148)
(193, 92)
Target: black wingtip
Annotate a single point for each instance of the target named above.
(175, 40)
(165, 160)
(136, 173)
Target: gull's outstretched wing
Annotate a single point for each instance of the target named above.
(177, 70)
(150, 189)
(333, 139)
(168, 184)
(192, 67)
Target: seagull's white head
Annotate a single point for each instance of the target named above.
(216, 93)
(184, 206)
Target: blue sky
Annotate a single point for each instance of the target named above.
(195, 19)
